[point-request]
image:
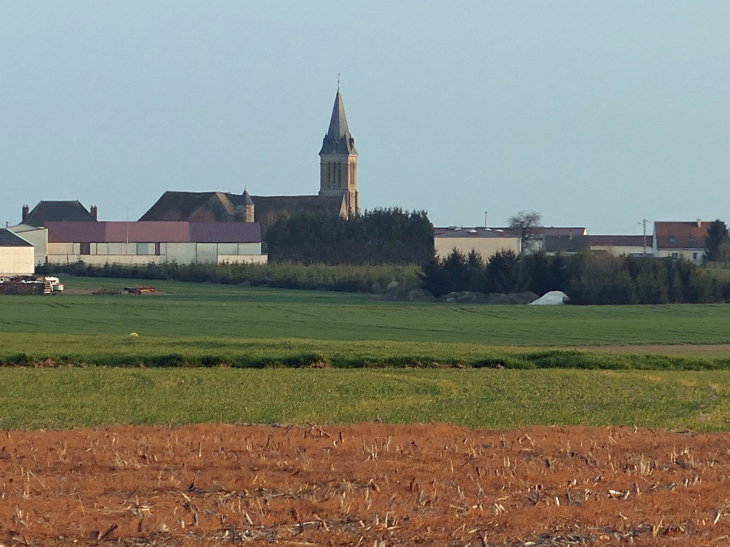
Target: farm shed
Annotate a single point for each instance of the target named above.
(485, 241)
(38, 236)
(16, 254)
(141, 243)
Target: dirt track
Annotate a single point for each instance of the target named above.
(369, 485)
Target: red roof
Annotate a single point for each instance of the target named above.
(681, 235)
(154, 232)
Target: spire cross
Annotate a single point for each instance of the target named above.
(338, 81)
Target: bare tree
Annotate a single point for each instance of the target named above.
(528, 225)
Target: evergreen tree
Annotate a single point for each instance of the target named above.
(717, 236)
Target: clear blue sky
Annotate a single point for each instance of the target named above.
(596, 114)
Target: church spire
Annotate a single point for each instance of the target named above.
(338, 139)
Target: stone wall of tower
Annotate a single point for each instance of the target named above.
(338, 177)
(249, 212)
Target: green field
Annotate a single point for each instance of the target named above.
(63, 398)
(234, 326)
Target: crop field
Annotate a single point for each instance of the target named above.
(372, 484)
(141, 439)
(61, 398)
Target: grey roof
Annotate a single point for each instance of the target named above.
(58, 211)
(267, 209)
(566, 244)
(221, 207)
(247, 198)
(176, 206)
(454, 232)
(338, 139)
(621, 241)
(9, 239)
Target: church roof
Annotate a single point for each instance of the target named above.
(338, 139)
(247, 198)
(58, 211)
(220, 207)
(176, 205)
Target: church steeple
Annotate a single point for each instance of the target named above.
(338, 159)
(338, 139)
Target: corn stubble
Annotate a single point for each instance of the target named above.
(368, 485)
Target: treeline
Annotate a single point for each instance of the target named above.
(586, 278)
(381, 236)
(285, 275)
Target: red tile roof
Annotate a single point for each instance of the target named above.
(681, 235)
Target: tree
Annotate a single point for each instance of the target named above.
(528, 225)
(717, 236)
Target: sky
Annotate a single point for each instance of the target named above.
(596, 114)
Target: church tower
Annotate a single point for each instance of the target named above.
(338, 160)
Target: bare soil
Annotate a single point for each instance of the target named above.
(373, 485)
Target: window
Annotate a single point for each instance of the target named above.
(672, 239)
(694, 256)
(85, 248)
(158, 249)
(675, 255)
(142, 249)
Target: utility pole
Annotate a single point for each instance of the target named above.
(485, 219)
(644, 221)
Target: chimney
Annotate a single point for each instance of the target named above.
(699, 223)
(94, 212)
(26, 211)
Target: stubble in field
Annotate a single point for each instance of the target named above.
(371, 485)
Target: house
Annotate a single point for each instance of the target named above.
(32, 223)
(57, 211)
(623, 245)
(338, 193)
(485, 241)
(565, 244)
(680, 240)
(16, 255)
(141, 243)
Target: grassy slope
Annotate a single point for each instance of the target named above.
(62, 398)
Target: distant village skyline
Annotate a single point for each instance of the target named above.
(598, 116)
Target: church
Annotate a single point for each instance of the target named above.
(337, 189)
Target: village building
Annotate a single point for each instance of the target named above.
(141, 243)
(32, 224)
(619, 245)
(485, 241)
(338, 193)
(16, 255)
(680, 240)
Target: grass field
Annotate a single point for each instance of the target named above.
(63, 398)
(185, 310)
(212, 325)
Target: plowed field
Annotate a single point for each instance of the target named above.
(373, 485)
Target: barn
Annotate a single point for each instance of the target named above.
(16, 255)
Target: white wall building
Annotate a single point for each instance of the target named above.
(16, 255)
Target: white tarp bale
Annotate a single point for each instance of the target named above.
(552, 298)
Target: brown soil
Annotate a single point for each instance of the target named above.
(371, 485)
